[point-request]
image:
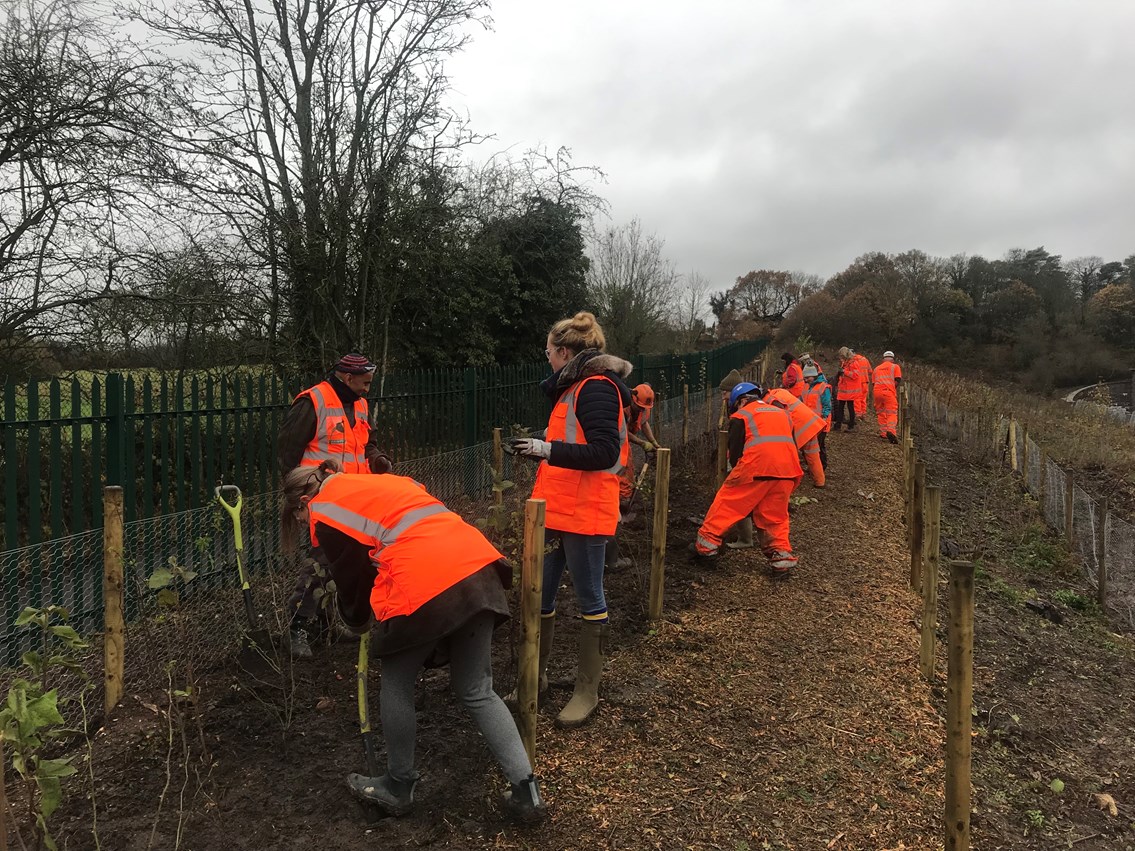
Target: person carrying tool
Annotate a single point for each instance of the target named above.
(428, 587)
(792, 379)
(849, 385)
(863, 366)
(888, 374)
(766, 469)
(328, 421)
(818, 397)
(806, 426)
(637, 416)
(583, 450)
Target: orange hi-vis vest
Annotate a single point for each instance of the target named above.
(793, 379)
(806, 424)
(335, 439)
(813, 399)
(885, 375)
(770, 447)
(864, 369)
(585, 502)
(850, 380)
(419, 546)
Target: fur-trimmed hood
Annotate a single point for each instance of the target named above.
(587, 363)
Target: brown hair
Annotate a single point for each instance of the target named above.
(299, 483)
(578, 332)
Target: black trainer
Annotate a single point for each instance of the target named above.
(523, 803)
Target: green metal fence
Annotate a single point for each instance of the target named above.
(168, 442)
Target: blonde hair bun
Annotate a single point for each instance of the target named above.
(579, 332)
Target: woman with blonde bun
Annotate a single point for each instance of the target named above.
(583, 450)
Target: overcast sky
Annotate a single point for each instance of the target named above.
(798, 134)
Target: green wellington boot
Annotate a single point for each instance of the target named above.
(592, 655)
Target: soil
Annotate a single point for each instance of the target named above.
(754, 715)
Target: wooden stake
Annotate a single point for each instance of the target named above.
(531, 583)
(916, 527)
(1012, 444)
(498, 464)
(685, 414)
(1025, 456)
(722, 455)
(114, 626)
(959, 701)
(658, 547)
(1069, 506)
(930, 581)
(1101, 558)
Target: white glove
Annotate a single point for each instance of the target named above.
(531, 447)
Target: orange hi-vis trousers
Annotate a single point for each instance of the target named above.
(811, 451)
(861, 404)
(887, 411)
(766, 500)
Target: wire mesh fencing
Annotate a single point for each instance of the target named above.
(1104, 542)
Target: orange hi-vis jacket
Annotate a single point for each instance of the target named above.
(793, 379)
(885, 375)
(864, 366)
(806, 423)
(585, 502)
(335, 439)
(770, 447)
(419, 547)
(813, 398)
(851, 380)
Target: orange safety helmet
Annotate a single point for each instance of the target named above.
(643, 396)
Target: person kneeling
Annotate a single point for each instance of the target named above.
(426, 584)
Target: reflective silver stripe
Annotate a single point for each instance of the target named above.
(814, 419)
(775, 438)
(571, 428)
(374, 529)
(702, 542)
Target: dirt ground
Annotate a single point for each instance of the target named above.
(755, 715)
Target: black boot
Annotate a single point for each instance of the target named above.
(523, 803)
(891, 437)
(703, 558)
(394, 797)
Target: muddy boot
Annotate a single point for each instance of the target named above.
(547, 636)
(393, 797)
(523, 803)
(592, 655)
(744, 535)
(299, 638)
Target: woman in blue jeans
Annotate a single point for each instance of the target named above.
(583, 450)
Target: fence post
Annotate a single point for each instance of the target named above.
(471, 471)
(722, 455)
(498, 465)
(658, 546)
(115, 429)
(908, 487)
(531, 581)
(1069, 505)
(1012, 444)
(1101, 558)
(114, 628)
(930, 581)
(916, 526)
(959, 700)
(685, 414)
(1025, 456)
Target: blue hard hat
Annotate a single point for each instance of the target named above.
(745, 388)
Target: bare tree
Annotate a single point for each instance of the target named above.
(691, 309)
(768, 296)
(309, 116)
(1084, 273)
(632, 286)
(77, 108)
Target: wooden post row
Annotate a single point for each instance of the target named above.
(959, 701)
(916, 527)
(1012, 444)
(531, 582)
(930, 581)
(114, 625)
(658, 546)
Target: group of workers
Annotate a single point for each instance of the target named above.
(427, 588)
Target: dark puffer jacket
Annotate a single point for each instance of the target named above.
(597, 409)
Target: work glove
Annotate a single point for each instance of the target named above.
(529, 447)
(380, 464)
(650, 447)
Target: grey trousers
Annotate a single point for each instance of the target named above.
(471, 674)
